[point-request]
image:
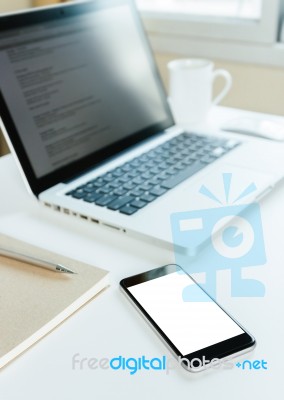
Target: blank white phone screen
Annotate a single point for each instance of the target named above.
(190, 325)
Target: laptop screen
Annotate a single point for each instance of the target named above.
(80, 83)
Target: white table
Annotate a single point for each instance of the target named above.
(109, 326)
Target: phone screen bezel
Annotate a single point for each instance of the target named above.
(217, 351)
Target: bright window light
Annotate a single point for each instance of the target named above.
(248, 9)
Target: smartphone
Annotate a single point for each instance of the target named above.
(194, 327)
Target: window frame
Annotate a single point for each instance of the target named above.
(263, 31)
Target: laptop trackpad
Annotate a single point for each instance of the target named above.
(226, 185)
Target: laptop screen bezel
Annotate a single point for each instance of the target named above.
(76, 168)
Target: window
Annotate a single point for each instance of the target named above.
(245, 20)
(237, 30)
(249, 9)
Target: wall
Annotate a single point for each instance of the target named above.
(13, 5)
(254, 88)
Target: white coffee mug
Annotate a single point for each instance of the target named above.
(190, 91)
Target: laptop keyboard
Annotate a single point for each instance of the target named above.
(133, 185)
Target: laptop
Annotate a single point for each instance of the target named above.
(86, 115)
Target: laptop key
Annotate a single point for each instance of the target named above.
(167, 145)
(129, 186)
(108, 177)
(178, 157)
(151, 154)
(164, 165)
(194, 157)
(89, 189)
(188, 161)
(166, 155)
(182, 175)
(120, 202)
(165, 175)
(119, 191)
(143, 168)
(146, 186)
(144, 158)
(156, 180)
(150, 164)
(148, 197)
(138, 204)
(172, 152)
(92, 197)
(147, 175)
(159, 160)
(171, 162)
(105, 190)
(156, 170)
(159, 149)
(98, 182)
(158, 191)
(207, 159)
(133, 173)
(135, 163)
(118, 172)
(114, 184)
(128, 210)
(79, 194)
(138, 180)
(126, 167)
(105, 200)
(179, 166)
(218, 151)
(124, 179)
(136, 192)
(171, 171)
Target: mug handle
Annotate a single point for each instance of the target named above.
(228, 78)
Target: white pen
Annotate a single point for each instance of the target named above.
(35, 261)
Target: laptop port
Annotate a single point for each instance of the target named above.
(113, 227)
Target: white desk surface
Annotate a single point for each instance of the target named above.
(109, 326)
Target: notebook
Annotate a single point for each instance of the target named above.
(33, 300)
